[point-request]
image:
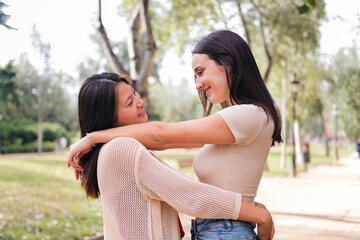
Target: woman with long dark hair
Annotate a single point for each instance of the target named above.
(235, 141)
(140, 194)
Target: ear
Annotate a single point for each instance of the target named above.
(228, 68)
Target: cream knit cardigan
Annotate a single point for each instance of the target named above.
(141, 195)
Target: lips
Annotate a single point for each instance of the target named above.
(142, 113)
(206, 90)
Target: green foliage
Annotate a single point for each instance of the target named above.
(4, 17)
(57, 103)
(17, 137)
(183, 22)
(305, 7)
(7, 86)
(29, 147)
(343, 79)
(174, 103)
(9, 99)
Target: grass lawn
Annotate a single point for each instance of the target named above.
(40, 199)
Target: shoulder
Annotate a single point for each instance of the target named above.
(123, 146)
(244, 108)
(245, 111)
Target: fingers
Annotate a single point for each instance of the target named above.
(260, 205)
(77, 174)
(80, 155)
(73, 162)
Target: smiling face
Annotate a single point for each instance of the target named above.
(130, 106)
(211, 78)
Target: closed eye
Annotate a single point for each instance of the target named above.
(199, 73)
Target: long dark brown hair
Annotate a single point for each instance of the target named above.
(97, 104)
(246, 85)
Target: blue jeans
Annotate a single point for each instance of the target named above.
(206, 229)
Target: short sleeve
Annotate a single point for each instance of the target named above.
(244, 121)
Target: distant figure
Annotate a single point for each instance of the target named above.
(306, 154)
(358, 147)
(63, 142)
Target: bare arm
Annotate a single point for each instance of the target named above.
(258, 214)
(208, 130)
(158, 135)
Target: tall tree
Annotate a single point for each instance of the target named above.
(344, 88)
(140, 64)
(43, 49)
(294, 23)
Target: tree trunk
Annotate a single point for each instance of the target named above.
(39, 103)
(326, 140)
(272, 56)
(133, 42)
(140, 68)
(244, 22)
(283, 117)
(114, 62)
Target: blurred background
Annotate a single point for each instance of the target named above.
(307, 52)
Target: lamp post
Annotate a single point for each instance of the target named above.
(294, 90)
(335, 113)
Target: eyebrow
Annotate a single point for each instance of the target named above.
(197, 68)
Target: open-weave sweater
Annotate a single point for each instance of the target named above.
(141, 195)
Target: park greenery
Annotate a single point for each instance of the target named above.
(37, 106)
(40, 198)
(284, 37)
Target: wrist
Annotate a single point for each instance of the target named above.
(264, 216)
(91, 139)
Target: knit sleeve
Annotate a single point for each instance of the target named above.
(244, 121)
(158, 181)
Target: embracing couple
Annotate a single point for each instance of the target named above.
(141, 195)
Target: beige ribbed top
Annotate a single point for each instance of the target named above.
(238, 167)
(140, 194)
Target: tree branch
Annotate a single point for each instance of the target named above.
(273, 56)
(244, 22)
(222, 14)
(134, 44)
(262, 31)
(147, 66)
(114, 62)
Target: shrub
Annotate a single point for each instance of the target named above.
(23, 138)
(29, 147)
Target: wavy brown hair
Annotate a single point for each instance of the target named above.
(97, 104)
(246, 85)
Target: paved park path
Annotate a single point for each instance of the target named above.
(322, 203)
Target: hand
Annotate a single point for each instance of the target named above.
(266, 230)
(76, 151)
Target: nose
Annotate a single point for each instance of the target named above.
(199, 85)
(140, 103)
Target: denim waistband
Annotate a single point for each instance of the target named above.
(208, 224)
